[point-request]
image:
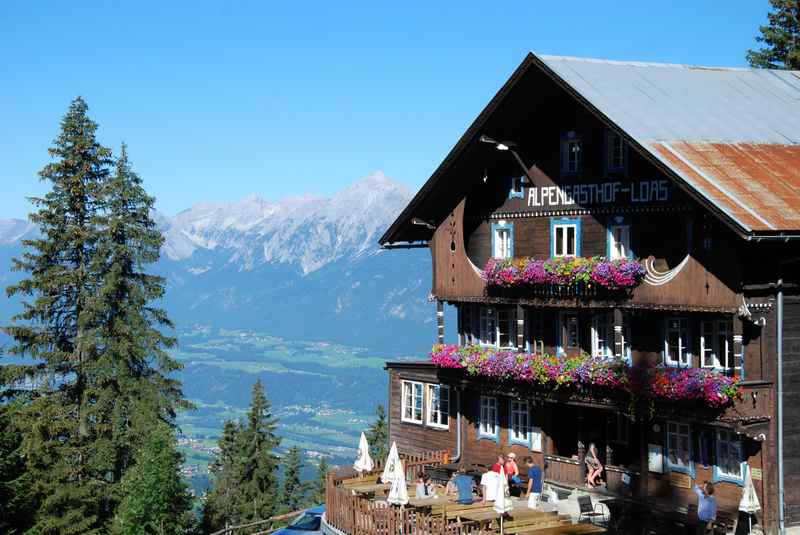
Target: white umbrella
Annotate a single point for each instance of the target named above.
(390, 467)
(749, 503)
(398, 494)
(363, 461)
(502, 501)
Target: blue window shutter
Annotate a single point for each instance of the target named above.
(511, 239)
(494, 231)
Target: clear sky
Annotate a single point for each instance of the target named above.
(220, 99)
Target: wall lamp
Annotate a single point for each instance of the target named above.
(509, 146)
(422, 223)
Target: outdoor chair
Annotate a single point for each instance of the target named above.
(590, 510)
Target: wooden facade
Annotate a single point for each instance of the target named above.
(721, 296)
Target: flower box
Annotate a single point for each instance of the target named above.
(576, 272)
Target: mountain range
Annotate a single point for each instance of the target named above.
(303, 268)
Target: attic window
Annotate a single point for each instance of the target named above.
(615, 152)
(571, 153)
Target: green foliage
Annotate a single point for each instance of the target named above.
(97, 361)
(317, 487)
(781, 37)
(293, 492)
(155, 499)
(16, 500)
(378, 435)
(245, 486)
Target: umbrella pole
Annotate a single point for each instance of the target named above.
(501, 524)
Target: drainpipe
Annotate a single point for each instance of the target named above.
(457, 456)
(781, 519)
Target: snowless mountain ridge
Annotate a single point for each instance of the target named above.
(308, 231)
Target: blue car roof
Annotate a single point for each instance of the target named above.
(318, 510)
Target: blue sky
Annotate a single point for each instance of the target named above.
(217, 100)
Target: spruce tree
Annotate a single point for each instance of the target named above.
(293, 492)
(155, 498)
(219, 504)
(16, 501)
(378, 435)
(781, 37)
(54, 330)
(317, 487)
(257, 442)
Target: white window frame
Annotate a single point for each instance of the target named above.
(405, 399)
(494, 324)
(603, 334)
(684, 356)
(519, 417)
(435, 415)
(674, 433)
(502, 242)
(716, 340)
(565, 228)
(517, 187)
(729, 440)
(619, 247)
(488, 425)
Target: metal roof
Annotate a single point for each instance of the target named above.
(733, 135)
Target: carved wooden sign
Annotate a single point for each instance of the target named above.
(756, 473)
(598, 193)
(682, 481)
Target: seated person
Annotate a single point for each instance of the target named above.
(422, 489)
(451, 489)
(464, 484)
(489, 485)
(594, 468)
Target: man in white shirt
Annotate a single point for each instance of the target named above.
(489, 485)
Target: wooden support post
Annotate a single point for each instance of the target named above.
(611, 423)
(581, 451)
(619, 339)
(440, 321)
(520, 328)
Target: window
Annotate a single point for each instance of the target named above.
(678, 447)
(517, 188)
(729, 456)
(619, 242)
(676, 342)
(535, 325)
(615, 155)
(497, 326)
(439, 406)
(602, 335)
(466, 316)
(571, 160)
(412, 402)
(502, 240)
(716, 344)
(565, 236)
(520, 422)
(570, 331)
(618, 428)
(487, 427)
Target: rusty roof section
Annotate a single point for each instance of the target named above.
(732, 135)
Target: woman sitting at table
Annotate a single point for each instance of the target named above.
(423, 488)
(594, 468)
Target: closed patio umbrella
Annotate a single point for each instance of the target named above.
(363, 461)
(502, 501)
(398, 494)
(749, 503)
(392, 464)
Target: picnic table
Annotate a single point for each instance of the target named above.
(430, 502)
(369, 488)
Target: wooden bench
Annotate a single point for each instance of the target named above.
(531, 523)
(454, 511)
(568, 529)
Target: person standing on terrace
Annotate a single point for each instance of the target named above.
(706, 507)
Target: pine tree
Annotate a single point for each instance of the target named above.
(16, 501)
(378, 436)
(257, 443)
(317, 487)
(293, 492)
(781, 37)
(133, 392)
(55, 330)
(219, 503)
(155, 500)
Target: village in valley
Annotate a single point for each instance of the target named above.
(586, 320)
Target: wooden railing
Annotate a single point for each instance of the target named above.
(416, 463)
(563, 470)
(355, 515)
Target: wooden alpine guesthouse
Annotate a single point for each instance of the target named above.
(621, 242)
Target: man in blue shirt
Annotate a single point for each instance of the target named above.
(706, 507)
(464, 484)
(534, 483)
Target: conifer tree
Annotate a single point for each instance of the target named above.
(16, 501)
(781, 37)
(155, 498)
(317, 487)
(293, 492)
(55, 330)
(218, 507)
(378, 435)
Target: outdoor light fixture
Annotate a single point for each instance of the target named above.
(422, 223)
(508, 146)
